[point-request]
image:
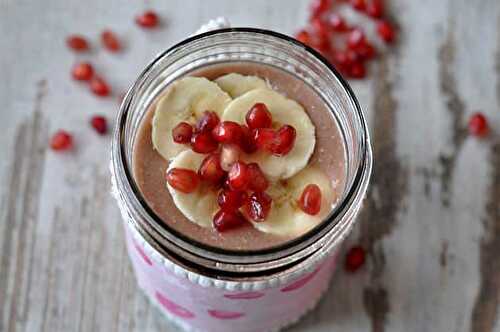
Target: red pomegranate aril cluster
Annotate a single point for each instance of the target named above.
(310, 200)
(320, 7)
(82, 71)
(210, 169)
(110, 41)
(61, 140)
(100, 124)
(184, 180)
(182, 133)
(354, 259)
(149, 19)
(478, 125)
(77, 43)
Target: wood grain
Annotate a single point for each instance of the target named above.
(431, 222)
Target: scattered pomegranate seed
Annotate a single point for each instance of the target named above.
(99, 87)
(354, 259)
(231, 199)
(304, 37)
(357, 70)
(110, 41)
(182, 133)
(227, 132)
(61, 140)
(375, 8)
(386, 31)
(478, 125)
(230, 153)
(320, 7)
(247, 142)
(239, 176)
(210, 169)
(310, 200)
(225, 220)
(258, 181)
(99, 123)
(148, 19)
(356, 38)
(182, 179)
(337, 23)
(366, 51)
(208, 121)
(203, 143)
(82, 71)
(259, 117)
(77, 43)
(359, 5)
(258, 206)
(284, 142)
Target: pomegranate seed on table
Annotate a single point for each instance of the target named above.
(77, 43)
(258, 206)
(148, 19)
(356, 38)
(203, 143)
(182, 179)
(337, 23)
(366, 51)
(82, 71)
(359, 5)
(375, 8)
(230, 153)
(247, 142)
(61, 140)
(210, 169)
(354, 259)
(259, 117)
(99, 87)
(110, 41)
(231, 199)
(208, 121)
(258, 181)
(386, 31)
(304, 37)
(225, 220)
(285, 141)
(357, 70)
(310, 200)
(478, 125)
(227, 132)
(99, 123)
(320, 7)
(239, 176)
(182, 133)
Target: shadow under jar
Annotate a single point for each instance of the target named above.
(209, 282)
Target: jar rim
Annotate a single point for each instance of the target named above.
(354, 193)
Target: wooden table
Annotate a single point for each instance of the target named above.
(431, 221)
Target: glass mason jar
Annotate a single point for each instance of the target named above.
(211, 289)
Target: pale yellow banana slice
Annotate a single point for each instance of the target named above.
(236, 84)
(184, 100)
(200, 205)
(284, 111)
(286, 218)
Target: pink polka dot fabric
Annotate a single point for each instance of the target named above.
(212, 309)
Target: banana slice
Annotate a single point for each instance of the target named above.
(184, 100)
(200, 205)
(284, 111)
(237, 84)
(286, 218)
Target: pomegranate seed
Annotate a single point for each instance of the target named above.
(258, 181)
(319, 7)
(110, 41)
(285, 141)
(264, 138)
(259, 117)
(321, 29)
(148, 19)
(61, 140)
(231, 199)
(375, 8)
(478, 125)
(366, 51)
(386, 31)
(239, 176)
(310, 200)
(356, 38)
(359, 5)
(357, 70)
(337, 23)
(304, 37)
(82, 71)
(100, 124)
(208, 121)
(203, 143)
(247, 142)
(99, 87)
(77, 43)
(230, 153)
(258, 206)
(182, 133)
(354, 259)
(182, 179)
(225, 220)
(210, 169)
(227, 132)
